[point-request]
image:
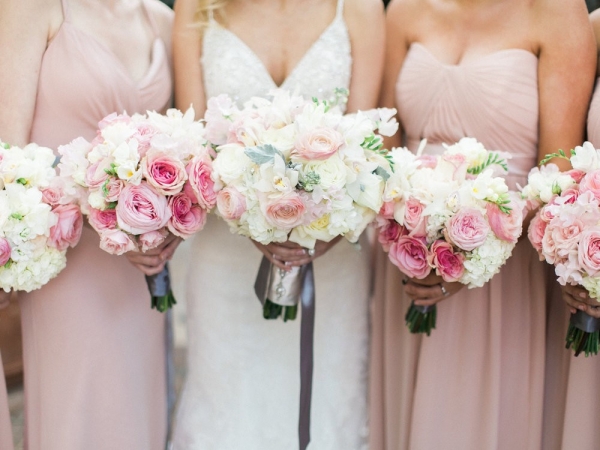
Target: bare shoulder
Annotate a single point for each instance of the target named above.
(405, 14)
(565, 17)
(163, 16)
(40, 14)
(595, 20)
(363, 10)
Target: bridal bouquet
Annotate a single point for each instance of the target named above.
(448, 214)
(297, 170)
(39, 219)
(145, 176)
(566, 232)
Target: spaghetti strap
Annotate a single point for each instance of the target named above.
(340, 8)
(211, 16)
(65, 9)
(150, 18)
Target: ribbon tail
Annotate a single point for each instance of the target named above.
(307, 329)
(263, 280)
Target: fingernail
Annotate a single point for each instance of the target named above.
(582, 294)
(581, 307)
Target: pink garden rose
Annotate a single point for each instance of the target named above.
(577, 175)
(537, 227)
(152, 239)
(387, 210)
(5, 251)
(141, 209)
(389, 233)
(413, 217)
(566, 235)
(116, 242)
(113, 119)
(467, 229)
(284, 212)
(591, 182)
(410, 255)
(145, 133)
(549, 247)
(199, 172)
(101, 220)
(163, 171)
(112, 189)
(231, 203)
(186, 217)
(319, 143)
(459, 163)
(52, 195)
(507, 227)
(67, 231)
(589, 251)
(96, 174)
(449, 265)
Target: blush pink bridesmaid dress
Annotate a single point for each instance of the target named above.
(94, 351)
(6, 437)
(477, 382)
(572, 406)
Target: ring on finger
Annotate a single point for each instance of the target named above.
(311, 252)
(445, 293)
(594, 307)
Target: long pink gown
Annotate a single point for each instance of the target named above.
(477, 382)
(6, 437)
(572, 406)
(94, 351)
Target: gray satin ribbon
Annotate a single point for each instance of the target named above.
(304, 281)
(159, 284)
(423, 309)
(585, 322)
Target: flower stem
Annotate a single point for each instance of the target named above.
(163, 302)
(421, 319)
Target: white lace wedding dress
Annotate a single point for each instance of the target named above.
(243, 382)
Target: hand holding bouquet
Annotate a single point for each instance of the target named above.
(566, 232)
(449, 215)
(145, 177)
(39, 219)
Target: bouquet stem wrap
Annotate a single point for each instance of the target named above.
(421, 319)
(583, 334)
(283, 288)
(159, 285)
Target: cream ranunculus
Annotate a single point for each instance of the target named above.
(333, 173)
(230, 163)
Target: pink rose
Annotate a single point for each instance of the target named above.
(569, 196)
(591, 182)
(5, 251)
(96, 175)
(565, 235)
(101, 220)
(537, 227)
(589, 251)
(231, 203)
(410, 255)
(468, 229)
(199, 172)
(459, 164)
(152, 239)
(546, 213)
(141, 209)
(284, 212)
(52, 195)
(67, 231)
(186, 217)
(389, 233)
(507, 227)
(246, 129)
(116, 242)
(549, 247)
(112, 189)
(387, 210)
(413, 217)
(319, 143)
(577, 175)
(145, 133)
(163, 171)
(449, 265)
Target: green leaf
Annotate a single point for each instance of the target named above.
(111, 205)
(16, 216)
(112, 170)
(493, 159)
(262, 154)
(22, 181)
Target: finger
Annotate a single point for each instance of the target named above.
(429, 301)
(145, 260)
(169, 250)
(149, 270)
(593, 311)
(287, 244)
(286, 252)
(419, 292)
(572, 302)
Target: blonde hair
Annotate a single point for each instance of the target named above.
(206, 8)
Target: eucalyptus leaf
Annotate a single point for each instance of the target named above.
(382, 173)
(262, 154)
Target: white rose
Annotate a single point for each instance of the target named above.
(332, 172)
(585, 158)
(231, 162)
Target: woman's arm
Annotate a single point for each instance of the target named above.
(366, 25)
(567, 64)
(187, 51)
(26, 27)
